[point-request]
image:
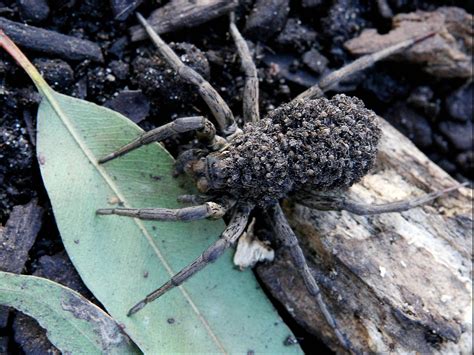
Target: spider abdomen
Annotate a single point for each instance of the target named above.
(322, 144)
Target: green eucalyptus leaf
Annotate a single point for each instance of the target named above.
(73, 324)
(122, 259)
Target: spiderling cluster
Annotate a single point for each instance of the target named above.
(321, 143)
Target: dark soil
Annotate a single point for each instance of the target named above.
(435, 113)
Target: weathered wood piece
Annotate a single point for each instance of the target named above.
(179, 14)
(396, 282)
(447, 54)
(18, 236)
(16, 240)
(50, 42)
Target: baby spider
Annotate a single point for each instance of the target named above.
(310, 143)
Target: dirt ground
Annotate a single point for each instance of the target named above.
(302, 45)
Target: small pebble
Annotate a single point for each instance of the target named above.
(120, 69)
(411, 124)
(290, 340)
(422, 98)
(118, 47)
(267, 18)
(441, 143)
(130, 103)
(458, 133)
(459, 103)
(445, 298)
(296, 36)
(465, 161)
(56, 72)
(110, 77)
(446, 165)
(315, 61)
(34, 11)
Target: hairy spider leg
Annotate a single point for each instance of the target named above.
(208, 210)
(194, 199)
(288, 238)
(339, 202)
(251, 93)
(228, 238)
(357, 65)
(214, 101)
(205, 131)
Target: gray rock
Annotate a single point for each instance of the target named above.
(296, 36)
(267, 18)
(130, 103)
(34, 11)
(422, 99)
(411, 124)
(56, 72)
(459, 134)
(459, 103)
(465, 161)
(120, 69)
(29, 335)
(315, 61)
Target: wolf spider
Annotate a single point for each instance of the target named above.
(310, 143)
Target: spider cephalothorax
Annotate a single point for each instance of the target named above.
(323, 144)
(310, 144)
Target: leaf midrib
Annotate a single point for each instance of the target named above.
(49, 96)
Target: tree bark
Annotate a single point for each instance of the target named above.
(396, 282)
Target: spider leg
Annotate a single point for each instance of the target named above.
(226, 201)
(359, 64)
(339, 203)
(250, 110)
(194, 199)
(228, 238)
(288, 238)
(205, 128)
(209, 210)
(214, 101)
